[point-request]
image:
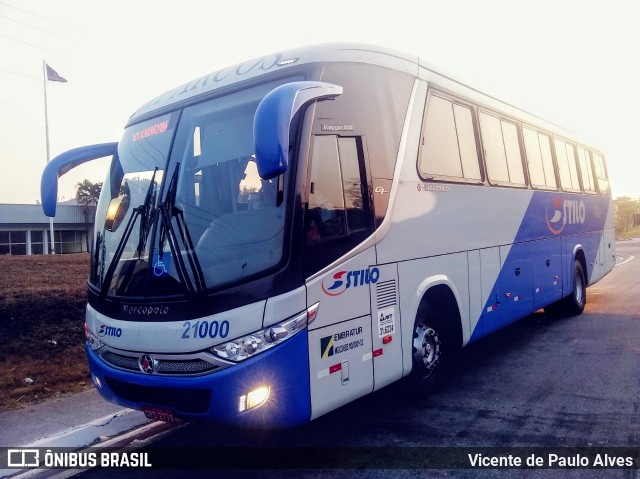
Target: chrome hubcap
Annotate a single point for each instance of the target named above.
(579, 289)
(426, 348)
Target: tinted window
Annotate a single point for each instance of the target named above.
(512, 148)
(539, 159)
(601, 173)
(378, 97)
(337, 206)
(585, 170)
(354, 200)
(566, 165)
(494, 148)
(573, 169)
(449, 144)
(326, 197)
(534, 157)
(547, 160)
(467, 142)
(502, 150)
(440, 155)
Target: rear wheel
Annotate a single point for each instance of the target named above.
(576, 301)
(573, 304)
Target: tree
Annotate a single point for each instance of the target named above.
(625, 209)
(87, 195)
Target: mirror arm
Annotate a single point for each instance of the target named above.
(273, 120)
(62, 164)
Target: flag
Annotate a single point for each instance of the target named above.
(52, 75)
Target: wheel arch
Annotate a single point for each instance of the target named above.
(579, 255)
(440, 293)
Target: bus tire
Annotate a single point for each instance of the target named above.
(427, 349)
(572, 305)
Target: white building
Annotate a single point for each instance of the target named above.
(24, 229)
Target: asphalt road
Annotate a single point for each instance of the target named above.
(571, 382)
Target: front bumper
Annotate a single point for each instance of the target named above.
(284, 369)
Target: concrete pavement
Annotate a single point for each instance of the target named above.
(74, 421)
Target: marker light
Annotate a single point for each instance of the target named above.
(247, 346)
(254, 399)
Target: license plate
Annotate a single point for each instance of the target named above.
(158, 414)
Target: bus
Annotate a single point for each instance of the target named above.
(281, 237)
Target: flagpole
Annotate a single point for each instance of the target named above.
(46, 130)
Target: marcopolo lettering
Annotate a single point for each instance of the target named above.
(145, 310)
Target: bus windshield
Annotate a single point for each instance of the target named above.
(185, 209)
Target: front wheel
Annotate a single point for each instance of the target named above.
(427, 350)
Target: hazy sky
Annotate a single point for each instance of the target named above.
(573, 62)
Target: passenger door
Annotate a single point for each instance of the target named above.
(338, 217)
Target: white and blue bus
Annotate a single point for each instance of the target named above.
(281, 237)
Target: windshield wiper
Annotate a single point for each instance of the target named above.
(167, 211)
(144, 212)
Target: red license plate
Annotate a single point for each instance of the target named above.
(159, 414)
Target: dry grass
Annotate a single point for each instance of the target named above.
(632, 233)
(42, 302)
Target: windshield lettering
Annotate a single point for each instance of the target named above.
(150, 131)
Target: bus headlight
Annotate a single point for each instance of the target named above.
(93, 341)
(248, 346)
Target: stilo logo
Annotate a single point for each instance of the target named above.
(343, 280)
(109, 331)
(565, 212)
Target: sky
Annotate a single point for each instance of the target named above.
(575, 63)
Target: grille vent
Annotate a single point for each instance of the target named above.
(386, 294)
(172, 367)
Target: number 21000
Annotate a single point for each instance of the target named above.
(205, 329)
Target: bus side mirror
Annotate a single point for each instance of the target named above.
(116, 212)
(272, 122)
(65, 162)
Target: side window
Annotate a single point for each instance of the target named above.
(573, 169)
(586, 173)
(565, 154)
(547, 160)
(539, 159)
(337, 203)
(600, 171)
(449, 143)
(502, 150)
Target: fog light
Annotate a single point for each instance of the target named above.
(96, 380)
(254, 398)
